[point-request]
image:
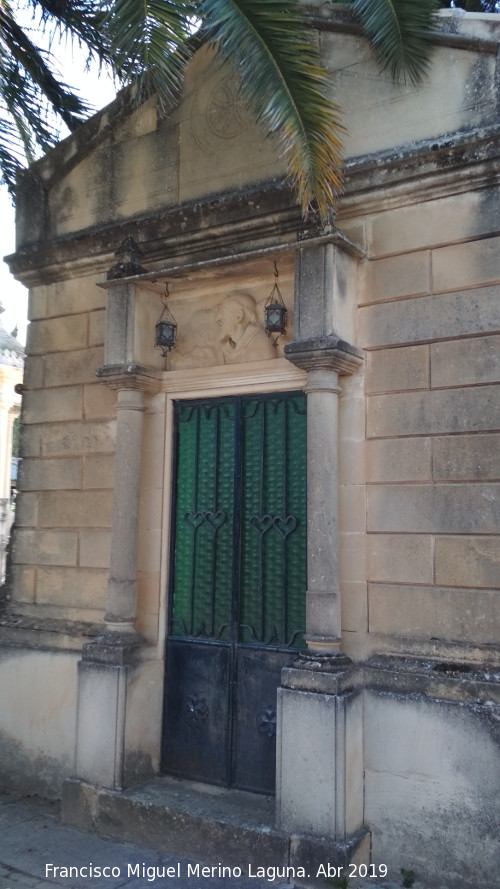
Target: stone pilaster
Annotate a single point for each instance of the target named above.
(121, 595)
(323, 359)
(319, 785)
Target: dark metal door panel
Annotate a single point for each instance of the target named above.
(258, 673)
(197, 711)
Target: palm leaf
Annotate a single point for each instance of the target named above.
(28, 57)
(28, 92)
(400, 32)
(150, 43)
(79, 19)
(282, 80)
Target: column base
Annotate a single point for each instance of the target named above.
(323, 661)
(119, 626)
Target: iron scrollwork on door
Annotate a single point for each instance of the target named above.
(267, 722)
(196, 708)
(283, 524)
(213, 517)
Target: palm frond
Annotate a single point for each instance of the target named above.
(150, 43)
(28, 57)
(400, 32)
(81, 20)
(282, 80)
(29, 95)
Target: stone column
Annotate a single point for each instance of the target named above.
(323, 629)
(323, 361)
(325, 292)
(319, 787)
(121, 596)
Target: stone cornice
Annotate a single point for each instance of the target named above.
(265, 218)
(451, 28)
(213, 227)
(427, 170)
(311, 233)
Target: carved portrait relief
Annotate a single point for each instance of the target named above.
(229, 333)
(242, 337)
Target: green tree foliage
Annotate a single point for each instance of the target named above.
(149, 42)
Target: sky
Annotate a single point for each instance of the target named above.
(98, 89)
(13, 295)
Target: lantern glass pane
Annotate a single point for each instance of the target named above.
(275, 318)
(165, 333)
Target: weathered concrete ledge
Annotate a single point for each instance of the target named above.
(453, 681)
(44, 633)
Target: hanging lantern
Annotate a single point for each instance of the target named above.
(165, 328)
(275, 309)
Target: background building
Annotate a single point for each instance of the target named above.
(11, 375)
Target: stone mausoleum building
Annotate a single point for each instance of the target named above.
(265, 566)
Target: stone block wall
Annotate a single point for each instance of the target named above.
(418, 450)
(429, 319)
(61, 551)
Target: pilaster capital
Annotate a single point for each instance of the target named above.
(328, 352)
(131, 376)
(314, 231)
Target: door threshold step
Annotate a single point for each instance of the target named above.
(183, 818)
(208, 825)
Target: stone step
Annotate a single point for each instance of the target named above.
(173, 815)
(203, 823)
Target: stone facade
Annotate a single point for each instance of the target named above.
(388, 722)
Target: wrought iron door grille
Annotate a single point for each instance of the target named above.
(239, 520)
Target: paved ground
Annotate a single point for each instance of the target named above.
(33, 843)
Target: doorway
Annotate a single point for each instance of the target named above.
(237, 584)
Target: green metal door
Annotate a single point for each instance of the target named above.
(238, 580)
